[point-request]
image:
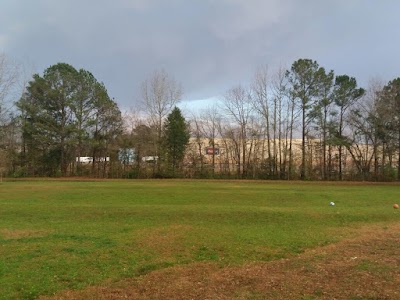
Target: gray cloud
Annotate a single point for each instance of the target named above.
(207, 45)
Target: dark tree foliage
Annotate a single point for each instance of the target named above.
(389, 104)
(65, 114)
(345, 94)
(176, 137)
(47, 119)
(305, 77)
(322, 112)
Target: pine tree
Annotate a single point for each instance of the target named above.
(176, 138)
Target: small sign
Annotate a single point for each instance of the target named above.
(211, 151)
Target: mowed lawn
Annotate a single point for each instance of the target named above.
(57, 235)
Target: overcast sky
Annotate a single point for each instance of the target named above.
(206, 45)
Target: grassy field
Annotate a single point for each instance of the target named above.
(57, 235)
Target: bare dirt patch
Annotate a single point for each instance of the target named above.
(366, 266)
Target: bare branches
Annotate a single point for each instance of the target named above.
(160, 93)
(9, 74)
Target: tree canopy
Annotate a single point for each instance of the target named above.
(63, 112)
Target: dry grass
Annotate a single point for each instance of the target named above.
(16, 234)
(365, 266)
(165, 242)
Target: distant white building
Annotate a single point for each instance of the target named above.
(149, 158)
(89, 159)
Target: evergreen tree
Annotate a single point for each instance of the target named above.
(345, 94)
(176, 138)
(305, 77)
(47, 119)
(389, 104)
(65, 113)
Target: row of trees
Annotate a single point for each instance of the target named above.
(67, 115)
(308, 123)
(303, 122)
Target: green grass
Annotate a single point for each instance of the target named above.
(58, 235)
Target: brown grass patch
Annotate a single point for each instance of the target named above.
(363, 267)
(16, 234)
(163, 242)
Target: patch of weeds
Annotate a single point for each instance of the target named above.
(203, 253)
(364, 265)
(295, 249)
(76, 251)
(31, 293)
(145, 269)
(372, 267)
(99, 242)
(251, 295)
(318, 293)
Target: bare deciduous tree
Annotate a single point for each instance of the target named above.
(262, 103)
(281, 120)
(197, 155)
(238, 105)
(8, 80)
(211, 118)
(160, 94)
(365, 123)
(9, 76)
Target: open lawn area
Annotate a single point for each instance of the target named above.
(182, 239)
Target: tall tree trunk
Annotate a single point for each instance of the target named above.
(324, 164)
(303, 145)
(398, 159)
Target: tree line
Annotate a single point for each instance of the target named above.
(303, 122)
